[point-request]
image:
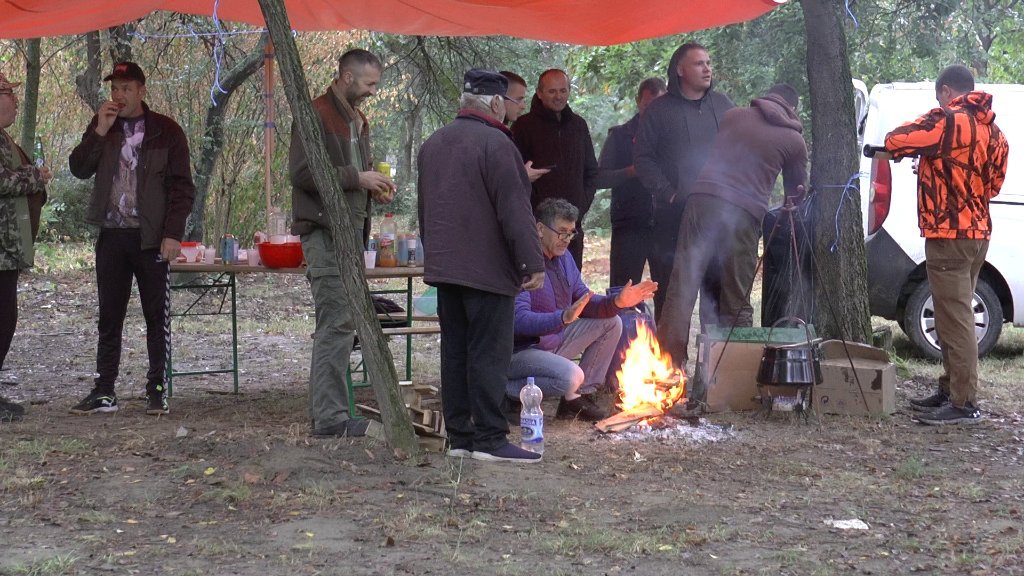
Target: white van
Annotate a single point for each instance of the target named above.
(897, 281)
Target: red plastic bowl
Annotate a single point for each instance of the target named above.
(287, 255)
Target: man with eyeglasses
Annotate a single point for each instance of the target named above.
(722, 219)
(564, 319)
(22, 194)
(480, 252)
(515, 103)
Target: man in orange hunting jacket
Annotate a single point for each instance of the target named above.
(963, 156)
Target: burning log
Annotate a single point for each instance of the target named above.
(626, 418)
(648, 383)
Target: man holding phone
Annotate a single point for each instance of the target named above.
(142, 195)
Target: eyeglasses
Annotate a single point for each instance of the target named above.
(6, 92)
(518, 101)
(563, 236)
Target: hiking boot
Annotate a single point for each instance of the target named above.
(9, 411)
(96, 401)
(156, 404)
(507, 452)
(929, 404)
(353, 427)
(579, 408)
(950, 414)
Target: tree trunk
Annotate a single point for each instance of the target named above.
(213, 137)
(87, 84)
(121, 42)
(841, 294)
(380, 366)
(30, 104)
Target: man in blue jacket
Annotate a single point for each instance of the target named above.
(564, 319)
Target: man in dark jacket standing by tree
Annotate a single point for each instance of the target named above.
(553, 137)
(674, 140)
(723, 214)
(142, 195)
(632, 211)
(481, 248)
(347, 138)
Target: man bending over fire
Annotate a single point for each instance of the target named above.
(565, 319)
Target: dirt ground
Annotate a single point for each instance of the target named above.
(235, 485)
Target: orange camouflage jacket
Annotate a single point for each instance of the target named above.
(963, 162)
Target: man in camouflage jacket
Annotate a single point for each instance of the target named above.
(22, 194)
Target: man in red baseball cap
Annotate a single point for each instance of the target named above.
(142, 195)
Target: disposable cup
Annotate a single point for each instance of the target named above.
(254, 256)
(210, 255)
(370, 258)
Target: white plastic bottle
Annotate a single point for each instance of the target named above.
(531, 419)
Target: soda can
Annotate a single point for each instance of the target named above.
(373, 243)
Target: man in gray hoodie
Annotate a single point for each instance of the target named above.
(672, 144)
(723, 215)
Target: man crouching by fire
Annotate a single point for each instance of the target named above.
(565, 319)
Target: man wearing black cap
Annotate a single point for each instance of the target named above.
(481, 248)
(722, 218)
(142, 195)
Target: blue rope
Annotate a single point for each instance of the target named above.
(218, 55)
(846, 192)
(850, 13)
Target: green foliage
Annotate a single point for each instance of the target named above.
(891, 40)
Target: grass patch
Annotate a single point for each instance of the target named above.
(53, 566)
(911, 469)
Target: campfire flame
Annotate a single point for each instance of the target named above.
(647, 377)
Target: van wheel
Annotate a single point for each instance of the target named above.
(919, 319)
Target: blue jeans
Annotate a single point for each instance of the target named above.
(555, 373)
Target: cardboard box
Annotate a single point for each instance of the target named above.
(868, 387)
(728, 363)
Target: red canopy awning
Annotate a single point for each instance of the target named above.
(589, 22)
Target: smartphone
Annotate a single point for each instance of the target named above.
(552, 167)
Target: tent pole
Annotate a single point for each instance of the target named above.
(268, 127)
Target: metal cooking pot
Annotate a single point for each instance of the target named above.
(790, 364)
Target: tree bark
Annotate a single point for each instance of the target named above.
(87, 84)
(213, 136)
(121, 42)
(380, 365)
(841, 294)
(30, 104)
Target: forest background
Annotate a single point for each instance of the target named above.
(193, 63)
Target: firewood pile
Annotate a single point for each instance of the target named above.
(424, 405)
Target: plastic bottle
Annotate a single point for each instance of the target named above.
(410, 244)
(386, 257)
(531, 419)
(38, 156)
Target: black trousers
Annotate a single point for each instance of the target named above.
(476, 348)
(665, 243)
(632, 247)
(8, 311)
(119, 258)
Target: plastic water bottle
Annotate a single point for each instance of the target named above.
(387, 257)
(531, 419)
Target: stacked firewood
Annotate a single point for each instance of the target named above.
(424, 405)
